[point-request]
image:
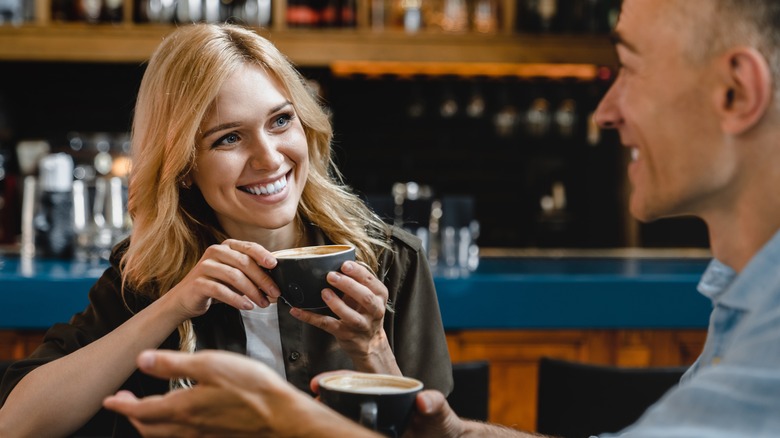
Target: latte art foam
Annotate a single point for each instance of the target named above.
(369, 389)
(310, 251)
(360, 384)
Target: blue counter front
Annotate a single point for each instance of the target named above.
(504, 293)
(549, 293)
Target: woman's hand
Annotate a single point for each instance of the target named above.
(361, 312)
(231, 272)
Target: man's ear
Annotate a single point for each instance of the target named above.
(745, 89)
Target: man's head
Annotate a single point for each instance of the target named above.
(720, 24)
(695, 87)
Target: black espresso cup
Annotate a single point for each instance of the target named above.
(381, 402)
(301, 272)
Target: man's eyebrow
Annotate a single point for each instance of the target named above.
(618, 40)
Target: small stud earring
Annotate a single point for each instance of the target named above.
(184, 184)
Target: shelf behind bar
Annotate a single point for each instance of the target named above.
(81, 42)
(586, 72)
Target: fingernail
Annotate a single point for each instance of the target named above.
(122, 395)
(334, 276)
(426, 403)
(295, 311)
(146, 359)
(327, 295)
(347, 266)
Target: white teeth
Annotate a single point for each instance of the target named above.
(268, 189)
(634, 154)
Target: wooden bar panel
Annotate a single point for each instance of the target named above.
(18, 344)
(514, 356)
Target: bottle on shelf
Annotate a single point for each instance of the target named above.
(412, 15)
(303, 13)
(538, 16)
(348, 13)
(485, 16)
(379, 14)
(53, 222)
(567, 17)
(454, 17)
(112, 11)
(8, 200)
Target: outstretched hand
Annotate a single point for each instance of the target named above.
(235, 396)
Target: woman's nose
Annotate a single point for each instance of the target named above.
(265, 155)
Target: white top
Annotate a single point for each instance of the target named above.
(263, 341)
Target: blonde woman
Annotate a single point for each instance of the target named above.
(231, 160)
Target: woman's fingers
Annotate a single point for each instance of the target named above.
(237, 267)
(361, 310)
(252, 260)
(362, 287)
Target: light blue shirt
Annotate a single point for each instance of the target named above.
(733, 388)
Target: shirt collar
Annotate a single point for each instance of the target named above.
(748, 289)
(716, 280)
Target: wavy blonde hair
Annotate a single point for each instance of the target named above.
(172, 226)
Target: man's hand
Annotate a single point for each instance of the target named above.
(234, 396)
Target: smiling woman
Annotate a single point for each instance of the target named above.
(232, 160)
(251, 162)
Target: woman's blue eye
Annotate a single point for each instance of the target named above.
(282, 120)
(226, 140)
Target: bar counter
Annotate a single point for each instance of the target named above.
(507, 291)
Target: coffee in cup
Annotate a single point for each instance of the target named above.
(380, 402)
(301, 272)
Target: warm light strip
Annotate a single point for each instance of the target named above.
(550, 71)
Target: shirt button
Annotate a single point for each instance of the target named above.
(294, 356)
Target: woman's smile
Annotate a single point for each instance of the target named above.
(271, 188)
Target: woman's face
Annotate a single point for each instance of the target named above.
(252, 156)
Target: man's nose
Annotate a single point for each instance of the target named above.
(607, 114)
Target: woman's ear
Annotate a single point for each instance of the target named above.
(745, 89)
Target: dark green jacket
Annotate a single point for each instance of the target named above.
(414, 330)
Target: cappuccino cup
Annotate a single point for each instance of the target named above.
(381, 402)
(301, 272)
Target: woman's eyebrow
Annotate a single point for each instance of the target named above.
(219, 128)
(235, 124)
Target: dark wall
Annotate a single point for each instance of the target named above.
(382, 137)
(392, 130)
